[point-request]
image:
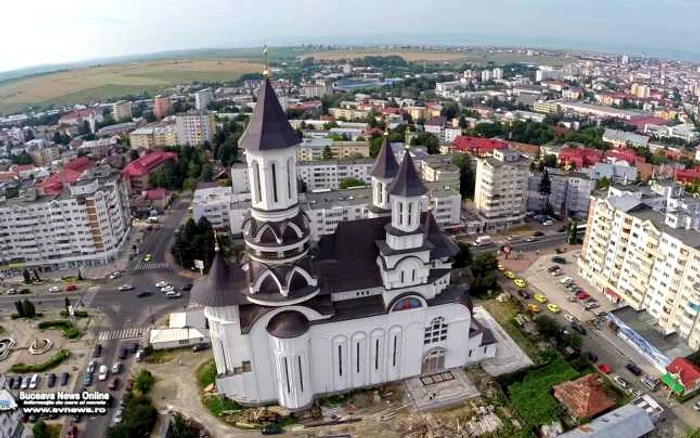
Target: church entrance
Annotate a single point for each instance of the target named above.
(434, 361)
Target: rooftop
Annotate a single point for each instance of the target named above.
(584, 397)
(629, 421)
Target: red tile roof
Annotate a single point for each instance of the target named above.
(689, 373)
(625, 154)
(436, 121)
(688, 175)
(478, 145)
(70, 174)
(581, 157)
(144, 165)
(154, 194)
(584, 397)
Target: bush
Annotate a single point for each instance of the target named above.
(206, 374)
(139, 418)
(15, 316)
(144, 381)
(71, 333)
(76, 313)
(56, 324)
(216, 404)
(559, 251)
(56, 360)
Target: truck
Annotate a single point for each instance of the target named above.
(482, 241)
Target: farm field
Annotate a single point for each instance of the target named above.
(89, 84)
(481, 56)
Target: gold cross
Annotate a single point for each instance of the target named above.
(266, 72)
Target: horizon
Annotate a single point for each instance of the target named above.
(612, 26)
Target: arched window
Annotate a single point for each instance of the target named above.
(410, 211)
(256, 181)
(436, 331)
(290, 171)
(274, 181)
(378, 193)
(407, 303)
(400, 212)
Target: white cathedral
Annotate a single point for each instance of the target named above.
(367, 305)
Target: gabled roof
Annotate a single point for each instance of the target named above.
(689, 373)
(584, 397)
(145, 165)
(386, 165)
(407, 182)
(268, 128)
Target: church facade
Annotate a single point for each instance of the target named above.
(370, 304)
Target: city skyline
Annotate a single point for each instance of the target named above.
(661, 28)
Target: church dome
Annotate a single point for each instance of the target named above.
(221, 287)
(289, 324)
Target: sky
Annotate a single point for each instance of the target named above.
(50, 31)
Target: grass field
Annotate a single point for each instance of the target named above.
(91, 84)
(481, 56)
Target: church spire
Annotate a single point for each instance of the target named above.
(385, 166)
(407, 183)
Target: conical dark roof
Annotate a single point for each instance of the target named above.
(385, 166)
(407, 182)
(268, 128)
(221, 287)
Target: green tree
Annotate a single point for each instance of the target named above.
(375, 145)
(327, 153)
(427, 139)
(549, 160)
(144, 381)
(484, 264)
(207, 173)
(351, 182)
(463, 122)
(547, 326)
(41, 430)
(572, 232)
(545, 189)
(21, 159)
(467, 174)
(84, 128)
(464, 257)
(20, 309)
(449, 110)
(602, 183)
(695, 433)
(180, 428)
(66, 303)
(227, 152)
(28, 309)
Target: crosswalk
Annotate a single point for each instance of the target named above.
(143, 266)
(86, 299)
(130, 333)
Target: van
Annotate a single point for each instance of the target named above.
(652, 384)
(482, 240)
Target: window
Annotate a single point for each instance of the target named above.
(406, 304)
(301, 375)
(340, 360)
(402, 277)
(410, 208)
(376, 354)
(357, 366)
(256, 180)
(413, 275)
(436, 331)
(400, 213)
(290, 168)
(396, 341)
(274, 181)
(286, 373)
(378, 194)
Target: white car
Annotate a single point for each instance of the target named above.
(103, 373)
(118, 416)
(577, 255)
(126, 287)
(547, 223)
(696, 406)
(91, 366)
(34, 383)
(167, 289)
(55, 289)
(172, 294)
(25, 383)
(162, 283)
(117, 368)
(115, 274)
(569, 317)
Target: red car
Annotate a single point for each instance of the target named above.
(604, 368)
(72, 431)
(582, 296)
(71, 288)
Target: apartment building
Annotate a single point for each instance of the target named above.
(194, 128)
(122, 110)
(137, 172)
(203, 98)
(623, 138)
(153, 137)
(162, 106)
(645, 250)
(570, 192)
(348, 113)
(546, 106)
(82, 223)
(439, 169)
(214, 203)
(329, 174)
(312, 149)
(500, 197)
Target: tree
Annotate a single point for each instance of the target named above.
(572, 232)
(427, 139)
(27, 276)
(28, 135)
(84, 128)
(28, 309)
(547, 326)
(549, 160)
(463, 122)
(467, 175)
(20, 309)
(695, 433)
(602, 183)
(483, 264)
(180, 428)
(375, 145)
(67, 303)
(327, 153)
(207, 173)
(133, 155)
(351, 182)
(227, 152)
(41, 430)
(144, 381)
(450, 110)
(464, 257)
(21, 159)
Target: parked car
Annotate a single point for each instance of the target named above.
(537, 234)
(71, 287)
(553, 308)
(11, 291)
(123, 353)
(187, 287)
(559, 259)
(25, 382)
(271, 429)
(591, 357)
(540, 298)
(147, 258)
(201, 346)
(173, 294)
(553, 269)
(622, 383)
(18, 383)
(34, 382)
(696, 406)
(118, 416)
(167, 289)
(126, 286)
(592, 304)
(139, 356)
(605, 368)
(115, 274)
(97, 351)
(51, 381)
(524, 293)
(144, 294)
(64, 378)
(578, 327)
(10, 382)
(135, 347)
(533, 308)
(634, 369)
(650, 383)
(91, 366)
(117, 368)
(54, 289)
(582, 296)
(161, 283)
(569, 317)
(114, 384)
(87, 381)
(102, 376)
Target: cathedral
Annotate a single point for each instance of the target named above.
(370, 304)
